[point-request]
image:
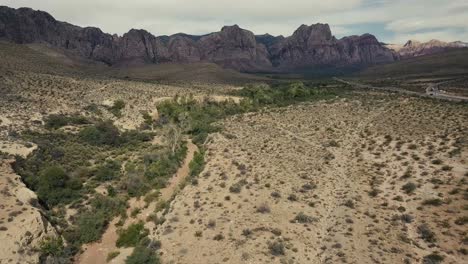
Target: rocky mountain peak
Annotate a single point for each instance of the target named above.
(314, 33)
(234, 27)
(414, 48)
(411, 43)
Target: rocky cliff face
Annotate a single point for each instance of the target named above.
(235, 48)
(414, 48)
(232, 47)
(315, 45)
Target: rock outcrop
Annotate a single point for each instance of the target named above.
(235, 48)
(414, 48)
(232, 47)
(315, 46)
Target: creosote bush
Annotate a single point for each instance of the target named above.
(409, 187)
(276, 248)
(131, 236)
(303, 218)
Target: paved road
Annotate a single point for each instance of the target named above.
(432, 91)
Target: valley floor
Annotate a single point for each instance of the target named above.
(379, 179)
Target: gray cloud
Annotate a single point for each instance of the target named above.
(397, 20)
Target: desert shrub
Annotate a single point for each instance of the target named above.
(51, 246)
(135, 183)
(105, 133)
(108, 205)
(116, 108)
(131, 236)
(276, 248)
(134, 137)
(447, 168)
(433, 258)
(303, 218)
(211, 223)
(409, 188)
(162, 165)
(349, 203)
(218, 237)
(148, 119)
(102, 133)
(247, 232)
(374, 192)
(237, 187)
(406, 218)
(88, 226)
(142, 255)
(434, 202)
(110, 170)
(461, 220)
(292, 197)
(426, 234)
(197, 164)
(58, 121)
(263, 209)
(275, 194)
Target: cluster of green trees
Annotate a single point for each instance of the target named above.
(54, 186)
(197, 118)
(62, 162)
(105, 133)
(283, 94)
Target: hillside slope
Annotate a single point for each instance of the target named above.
(447, 63)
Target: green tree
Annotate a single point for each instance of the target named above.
(54, 186)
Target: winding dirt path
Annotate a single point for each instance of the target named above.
(96, 253)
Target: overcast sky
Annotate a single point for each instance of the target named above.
(392, 21)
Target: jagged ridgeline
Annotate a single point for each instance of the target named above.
(232, 47)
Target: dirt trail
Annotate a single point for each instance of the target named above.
(97, 252)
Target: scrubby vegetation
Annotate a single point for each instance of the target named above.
(58, 121)
(131, 236)
(67, 167)
(90, 223)
(116, 108)
(142, 255)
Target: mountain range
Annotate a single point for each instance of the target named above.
(414, 48)
(232, 47)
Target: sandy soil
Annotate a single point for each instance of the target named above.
(323, 183)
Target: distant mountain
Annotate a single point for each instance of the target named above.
(414, 48)
(453, 62)
(232, 47)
